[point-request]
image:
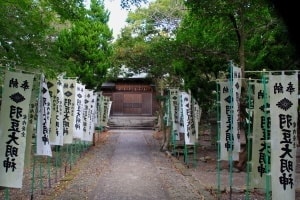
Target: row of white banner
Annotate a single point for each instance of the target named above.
(274, 136)
(183, 115)
(63, 111)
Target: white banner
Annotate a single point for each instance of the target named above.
(109, 109)
(93, 113)
(105, 109)
(89, 109)
(43, 146)
(99, 107)
(181, 130)
(167, 112)
(261, 131)
(56, 124)
(174, 102)
(68, 112)
(78, 111)
(195, 114)
(236, 96)
(226, 132)
(16, 95)
(283, 111)
(189, 132)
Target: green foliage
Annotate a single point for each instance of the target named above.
(210, 35)
(249, 31)
(52, 36)
(246, 32)
(128, 3)
(86, 46)
(24, 34)
(147, 44)
(70, 10)
(170, 42)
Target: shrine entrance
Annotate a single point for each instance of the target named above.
(128, 103)
(131, 97)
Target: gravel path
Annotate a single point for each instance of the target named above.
(129, 165)
(131, 174)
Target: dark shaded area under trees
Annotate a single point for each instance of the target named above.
(289, 11)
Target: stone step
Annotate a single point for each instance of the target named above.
(135, 122)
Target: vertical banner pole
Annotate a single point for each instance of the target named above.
(76, 150)
(67, 159)
(33, 172)
(267, 138)
(231, 128)
(218, 141)
(41, 178)
(71, 156)
(171, 126)
(249, 123)
(80, 148)
(49, 171)
(33, 178)
(6, 193)
(56, 162)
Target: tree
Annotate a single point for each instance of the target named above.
(153, 25)
(147, 45)
(256, 31)
(86, 46)
(36, 36)
(246, 32)
(211, 34)
(24, 27)
(128, 3)
(29, 30)
(68, 10)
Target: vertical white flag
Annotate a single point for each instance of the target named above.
(188, 123)
(196, 114)
(109, 109)
(68, 109)
(261, 130)
(93, 107)
(16, 95)
(283, 111)
(56, 124)
(59, 111)
(181, 130)
(236, 96)
(174, 112)
(43, 146)
(167, 112)
(105, 108)
(78, 111)
(99, 108)
(226, 124)
(88, 123)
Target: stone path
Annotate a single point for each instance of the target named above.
(131, 174)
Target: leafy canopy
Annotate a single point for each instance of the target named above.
(86, 46)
